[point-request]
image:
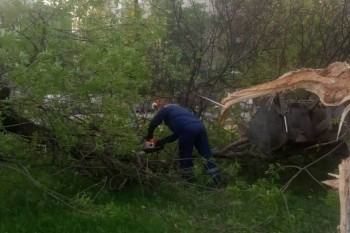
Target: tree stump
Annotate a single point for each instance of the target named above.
(343, 186)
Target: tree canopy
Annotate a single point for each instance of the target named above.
(78, 68)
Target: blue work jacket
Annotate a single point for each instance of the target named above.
(175, 117)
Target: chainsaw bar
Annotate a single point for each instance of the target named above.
(151, 150)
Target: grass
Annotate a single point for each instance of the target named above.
(26, 208)
(171, 207)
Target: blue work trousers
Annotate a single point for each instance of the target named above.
(195, 135)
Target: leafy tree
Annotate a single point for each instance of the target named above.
(78, 67)
(77, 71)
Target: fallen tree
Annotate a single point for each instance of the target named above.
(279, 119)
(91, 149)
(82, 156)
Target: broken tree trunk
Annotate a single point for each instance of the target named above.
(343, 186)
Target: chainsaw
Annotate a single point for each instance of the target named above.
(150, 146)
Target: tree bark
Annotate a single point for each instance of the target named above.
(343, 186)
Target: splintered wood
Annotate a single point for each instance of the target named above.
(331, 85)
(343, 186)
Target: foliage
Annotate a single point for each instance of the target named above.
(59, 73)
(176, 207)
(78, 68)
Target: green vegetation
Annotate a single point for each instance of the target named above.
(71, 203)
(70, 136)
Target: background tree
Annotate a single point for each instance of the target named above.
(72, 71)
(76, 70)
(78, 67)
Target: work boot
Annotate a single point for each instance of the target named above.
(216, 178)
(187, 175)
(213, 171)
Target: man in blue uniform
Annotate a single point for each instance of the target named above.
(190, 132)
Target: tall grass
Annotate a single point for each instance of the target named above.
(70, 203)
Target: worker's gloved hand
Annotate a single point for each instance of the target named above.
(148, 137)
(160, 143)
